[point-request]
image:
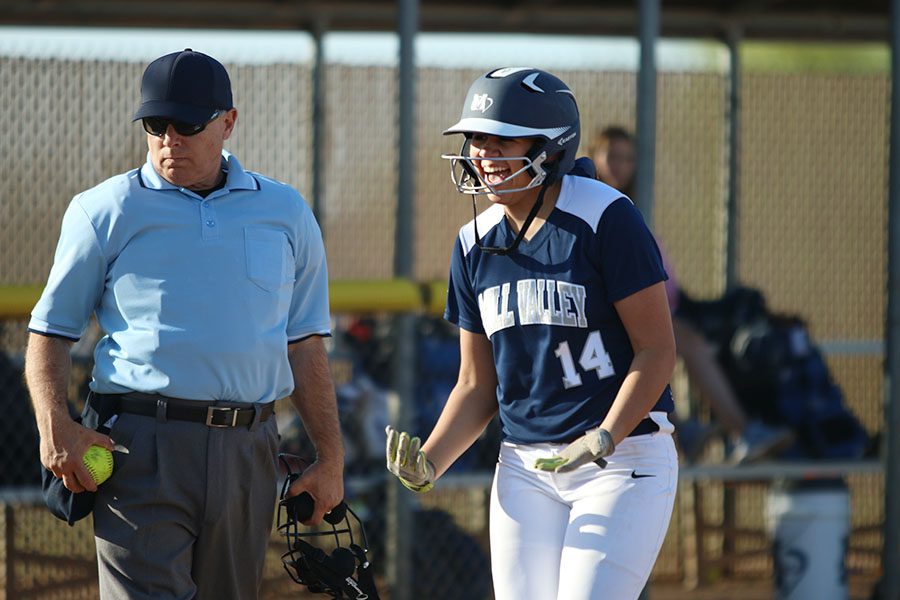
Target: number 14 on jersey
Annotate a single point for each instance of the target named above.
(593, 358)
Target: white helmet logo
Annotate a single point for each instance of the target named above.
(481, 102)
(529, 81)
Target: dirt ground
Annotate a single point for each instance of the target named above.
(860, 588)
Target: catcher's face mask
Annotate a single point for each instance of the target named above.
(343, 572)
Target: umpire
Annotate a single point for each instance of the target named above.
(210, 285)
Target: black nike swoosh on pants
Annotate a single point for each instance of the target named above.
(634, 475)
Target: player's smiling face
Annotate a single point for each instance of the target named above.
(192, 162)
(495, 168)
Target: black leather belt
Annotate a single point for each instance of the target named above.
(646, 426)
(197, 411)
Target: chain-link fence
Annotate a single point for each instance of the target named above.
(811, 234)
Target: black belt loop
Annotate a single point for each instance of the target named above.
(161, 407)
(255, 421)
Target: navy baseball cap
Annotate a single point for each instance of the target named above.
(185, 86)
(63, 504)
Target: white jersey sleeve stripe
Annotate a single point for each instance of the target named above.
(586, 198)
(487, 220)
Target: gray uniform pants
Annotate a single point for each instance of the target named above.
(188, 512)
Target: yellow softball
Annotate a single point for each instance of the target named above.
(99, 463)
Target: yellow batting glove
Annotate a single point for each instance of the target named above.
(408, 462)
(593, 446)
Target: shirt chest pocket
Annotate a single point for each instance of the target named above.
(269, 258)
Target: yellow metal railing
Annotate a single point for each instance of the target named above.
(367, 296)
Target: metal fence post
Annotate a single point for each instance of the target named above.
(646, 107)
(891, 555)
(733, 40)
(9, 551)
(400, 518)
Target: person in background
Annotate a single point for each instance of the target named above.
(557, 290)
(613, 152)
(210, 285)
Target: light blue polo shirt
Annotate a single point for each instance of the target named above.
(198, 297)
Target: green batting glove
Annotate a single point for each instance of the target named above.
(408, 462)
(591, 447)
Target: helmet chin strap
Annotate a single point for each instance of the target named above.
(501, 250)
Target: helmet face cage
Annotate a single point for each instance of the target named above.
(342, 572)
(465, 175)
(518, 102)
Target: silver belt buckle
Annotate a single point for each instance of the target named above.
(211, 411)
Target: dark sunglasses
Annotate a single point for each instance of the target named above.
(159, 125)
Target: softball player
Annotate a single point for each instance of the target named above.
(564, 327)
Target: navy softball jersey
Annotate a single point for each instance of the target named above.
(560, 349)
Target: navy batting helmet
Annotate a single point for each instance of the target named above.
(519, 102)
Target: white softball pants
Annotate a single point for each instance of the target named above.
(590, 534)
